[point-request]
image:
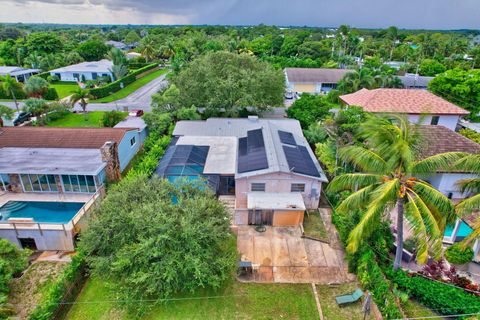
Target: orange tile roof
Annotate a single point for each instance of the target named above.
(41, 137)
(410, 101)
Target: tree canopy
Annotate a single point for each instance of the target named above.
(155, 239)
(92, 50)
(309, 109)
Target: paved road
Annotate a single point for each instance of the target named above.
(139, 99)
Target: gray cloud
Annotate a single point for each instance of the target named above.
(433, 14)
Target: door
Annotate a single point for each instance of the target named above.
(260, 217)
(28, 243)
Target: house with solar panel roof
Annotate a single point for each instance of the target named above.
(265, 165)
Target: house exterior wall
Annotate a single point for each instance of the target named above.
(68, 76)
(285, 218)
(126, 151)
(446, 183)
(304, 87)
(278, 182)
(50, 240)
(448, 121)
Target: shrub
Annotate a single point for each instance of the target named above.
(470, 134)
(456, 254)
(143, 69)
(111, 118)
(50, 94)
(43, 75)
(53, 79)
(58, 110)
(112, 87)
(443, 298)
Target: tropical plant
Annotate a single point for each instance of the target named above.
(458, 254)
(356, 80)
(5, 112)
(111, 118)
(81, 96)
(389, 179)
(119, 71)
(36, 87)
(10, 85)
(35, 106)
(117, 57)
(147, 48)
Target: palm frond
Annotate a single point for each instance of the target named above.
(353, 181)
(435, 200)
(474, 235)
(413, 215)
(384, 198)
(356, 200)
(469, 205)
(471, 185)
(470, 163)
(439, 161)
(362, 158)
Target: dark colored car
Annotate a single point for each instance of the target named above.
(136, 113)
(21, 118)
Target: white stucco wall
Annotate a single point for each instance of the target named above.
(50, 240)
(448, 121)
(68, 76)
(446, 183)
(278, 182)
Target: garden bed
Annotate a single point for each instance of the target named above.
(314, 227)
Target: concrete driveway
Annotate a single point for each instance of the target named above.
(139, 99)
(283, 256)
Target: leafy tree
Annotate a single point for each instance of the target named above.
(5, 112)
(290, 46)
(388, 179)
(309, 109)
(154, 239)
(158, 122)
(45, 42)
(35, 106)
(11, 87)
(36, 87)
(82, 96)
(226, 83)
(187, 114)
(132, 37)
(10, 33)
(73, 58)
(92, 50)
(430, 67)
(167, 100)
(111, 118)
(460, 87)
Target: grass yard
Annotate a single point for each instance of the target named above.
(332, 311)
(314, 227)
(414, 309)
(131, 87)
(64, 89)
(28, 290)
(76, 120)
(239, 301)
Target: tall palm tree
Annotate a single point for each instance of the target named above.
(147, 48)
(81, 96)
(470, 163)
(356, 80)
(388, 178)
(10, 85)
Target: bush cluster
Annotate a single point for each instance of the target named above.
(48, 307)
(456, 254)
(445, 299)
(111, 118)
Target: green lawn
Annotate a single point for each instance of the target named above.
(238, 301)
(92, 119)
(331, 310)
(64, 89)
(313, 225)
(131, 87)
(414, 309)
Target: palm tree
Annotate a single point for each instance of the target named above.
(10, 85)
(5, 112)
(119, 71)
(356, 80)
(147, 48)
(471, 163)
(36, 87)
(81, 95)
(388, 178)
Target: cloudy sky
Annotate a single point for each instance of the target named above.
(431, 14)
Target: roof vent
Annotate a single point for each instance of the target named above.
(253, 118)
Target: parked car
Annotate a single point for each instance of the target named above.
(21, 117)
(136, 113)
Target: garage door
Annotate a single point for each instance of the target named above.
(304, 87)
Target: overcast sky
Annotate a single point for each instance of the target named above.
(430, 14)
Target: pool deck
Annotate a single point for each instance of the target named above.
(51, 197)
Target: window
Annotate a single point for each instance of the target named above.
(435, 120)
(132, 142)
(76, 76)
(298, 187)
(38, 183)
(258, 187)
(80, 183)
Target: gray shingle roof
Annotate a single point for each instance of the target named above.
(315, 75)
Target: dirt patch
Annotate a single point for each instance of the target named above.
(28, 290)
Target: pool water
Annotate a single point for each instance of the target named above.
(44, 212)
(463, 230)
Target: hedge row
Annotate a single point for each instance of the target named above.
(443, 298)
(51, 94)
(50, 306)
(117, 85)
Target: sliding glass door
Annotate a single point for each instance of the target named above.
(38, 183)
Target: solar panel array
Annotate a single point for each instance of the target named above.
(251, 152)
(287, 138)
(298, 157)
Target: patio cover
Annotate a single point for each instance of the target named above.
(275, 201)
(51, 161)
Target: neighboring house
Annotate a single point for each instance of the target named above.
(19, 73)
(397, 65)
(137, 123)
(84, 71)
(49, 177)
(415, 81)
(475, 126)
(118, 45)
(438, 140)
(132, 55)
(265, 163)
(313, 80)
(420, 105)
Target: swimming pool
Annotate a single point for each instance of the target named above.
(463, 230)
(43, 212)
